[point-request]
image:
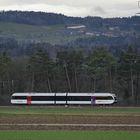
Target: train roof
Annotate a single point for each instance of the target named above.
(33, 94)
(62, 94)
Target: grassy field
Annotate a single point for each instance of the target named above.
(69, 110)
(56, 34)
(69, 135)
(67, 115)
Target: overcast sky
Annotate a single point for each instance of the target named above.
(82, 8)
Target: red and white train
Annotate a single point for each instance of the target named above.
(63, 98)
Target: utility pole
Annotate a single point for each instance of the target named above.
(67, 76)
(132, 81)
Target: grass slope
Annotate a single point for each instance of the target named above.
(69, 135)
(57, 34)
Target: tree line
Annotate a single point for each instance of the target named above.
(42, 18)
(73, 71)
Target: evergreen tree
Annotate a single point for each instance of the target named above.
(101, 64)
(5, 65)
(129, 67)
(40, 69)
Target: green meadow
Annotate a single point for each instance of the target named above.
(91, 110)
(54, 34)
(69, 135)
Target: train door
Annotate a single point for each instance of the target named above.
(93, 100)
(29, 99)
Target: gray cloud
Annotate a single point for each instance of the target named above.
(99, 10)
(75, 7)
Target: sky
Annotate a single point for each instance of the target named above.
(80, 8)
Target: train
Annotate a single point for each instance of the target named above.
(63, 98)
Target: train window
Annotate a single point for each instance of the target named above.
(42, 98)
(19, 97)
(103, 98)
(79, 98)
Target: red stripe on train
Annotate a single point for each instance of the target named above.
(29, 99)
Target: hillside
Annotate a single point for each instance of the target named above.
(55, 34)
(56, 29)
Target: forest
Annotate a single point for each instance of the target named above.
(39, 52)
(73, 70)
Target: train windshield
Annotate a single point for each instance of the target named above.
(104, 98)
(19, 97)
(115, 99)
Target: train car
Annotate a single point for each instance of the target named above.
(63, 98)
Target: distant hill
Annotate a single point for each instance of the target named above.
(23, 28)
(37, 18)
(42, 18)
